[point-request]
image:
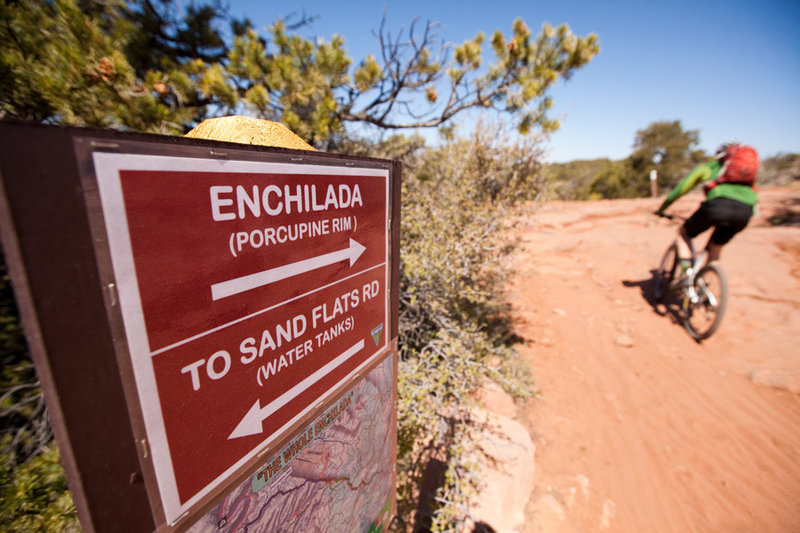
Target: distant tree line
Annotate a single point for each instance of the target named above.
(662, 146)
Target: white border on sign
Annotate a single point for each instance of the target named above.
(107, 170)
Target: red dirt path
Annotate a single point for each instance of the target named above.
(638, 428)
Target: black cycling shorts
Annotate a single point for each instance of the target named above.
(728, 217)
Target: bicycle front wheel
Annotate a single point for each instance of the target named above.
(705, 304)
(666, 273)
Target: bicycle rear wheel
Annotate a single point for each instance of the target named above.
(703, 314)
(666, 273)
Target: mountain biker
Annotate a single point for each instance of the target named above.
(728, 205)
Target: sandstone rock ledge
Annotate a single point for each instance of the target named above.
(509, 471)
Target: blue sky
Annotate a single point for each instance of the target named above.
(730, 69)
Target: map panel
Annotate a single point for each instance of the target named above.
(335, 475)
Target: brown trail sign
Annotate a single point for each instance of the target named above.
(192, 306)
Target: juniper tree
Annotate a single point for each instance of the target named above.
(140, 65)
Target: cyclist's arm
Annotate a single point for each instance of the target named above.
(698, 175)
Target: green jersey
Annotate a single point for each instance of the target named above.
(707, 172)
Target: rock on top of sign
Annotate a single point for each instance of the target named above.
(248, 130)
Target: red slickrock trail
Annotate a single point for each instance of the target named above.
(637, 427)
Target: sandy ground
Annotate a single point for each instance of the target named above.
(637, 427)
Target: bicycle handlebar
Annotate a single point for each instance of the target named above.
(669, 216)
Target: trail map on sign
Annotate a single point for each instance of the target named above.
(334, 476)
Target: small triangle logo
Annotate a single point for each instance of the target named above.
(376, 334)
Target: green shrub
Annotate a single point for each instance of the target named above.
(454, 315)
(34, 490)
(35, 495)
(24, 429)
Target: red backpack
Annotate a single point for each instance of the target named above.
(741, 166)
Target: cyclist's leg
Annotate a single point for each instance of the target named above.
(696, 224)
(684, 243)
(714, 250)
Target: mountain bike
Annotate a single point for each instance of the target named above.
(703, 290)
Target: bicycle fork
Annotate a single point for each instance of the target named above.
(693, 296)
(709, 296)
(689, 294)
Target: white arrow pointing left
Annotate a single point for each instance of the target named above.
(251, 423)
(265, 277)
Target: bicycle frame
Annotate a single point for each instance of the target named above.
(698, 299)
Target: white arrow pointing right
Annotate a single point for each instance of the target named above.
(251, 424)
(265, 277)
